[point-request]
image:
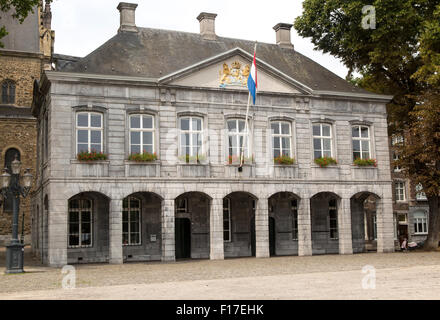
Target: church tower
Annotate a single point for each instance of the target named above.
(27, 51)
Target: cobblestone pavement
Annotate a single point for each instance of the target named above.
(412, 275)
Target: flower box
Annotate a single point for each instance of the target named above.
(93, 155)
(95, 168)
(325, 161)
(365, 162)
(143, 157)
(284, 160)
(199, 159)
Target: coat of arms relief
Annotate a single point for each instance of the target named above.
(236, 75)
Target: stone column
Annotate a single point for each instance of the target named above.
(344, 227)
(385, 225)
(216, 230)
(262, 229)
(57, 231)
(168, 235)
(304, 228)
(115, 232)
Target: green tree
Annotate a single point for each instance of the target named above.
(399, 56)
(22, 9)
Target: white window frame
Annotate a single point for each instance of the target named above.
(185, 205)
(236, 135)
(321, 138)
(129, 221)
(141, 130)
(330, 218)
(191, 132)
(294, 209)
(400, 192)
(80, 210)
(397, 140)
(419, 219)
(361, 139)
(280, 137)
(227, 212)
(89, 129)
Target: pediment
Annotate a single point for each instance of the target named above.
(230, 71)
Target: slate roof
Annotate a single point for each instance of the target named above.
(154, 53)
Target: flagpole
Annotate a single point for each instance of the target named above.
(246, 126)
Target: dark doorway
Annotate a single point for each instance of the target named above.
(272, 240)
(183, 238)
(253, 238)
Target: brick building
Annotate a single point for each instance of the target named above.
(27, 52)
(181, 98)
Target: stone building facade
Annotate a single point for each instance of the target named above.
(180, 99)
(26, 53)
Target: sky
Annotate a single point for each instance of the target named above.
(81, 26)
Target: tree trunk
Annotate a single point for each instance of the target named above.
(432, 242)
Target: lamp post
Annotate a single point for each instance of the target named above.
(10, 187)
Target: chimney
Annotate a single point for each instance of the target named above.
(127, 12)
(282, 31)
(207, 25)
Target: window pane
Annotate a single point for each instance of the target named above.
(83, 148)
(232, 125)
(276, 142)
(327, 153)
(356, 145)
(125, 238)
(134, 203)
(73, 217)
(364, 132)
(241, 125)
(184, 124)
(95, 147)
(285, 128)
(83, 136)
(147, 122)
(85, 216)
(95, 137)
(275, 127)
(317, 144)
(196, 124)
(148, 149)
(355, 132)
(276, 153)
(226, 235)
(148, 137)
(365, 155)
(286, 143)
(326, 131)
(135, 122)
(135, 137)
(73, 228)
(85, 228)
(365, 146)
(95, 120)
(327, 144)
(135, 149)
(356, 155)
(73, 240)
(83, 120)
(73, 204)
(317, 130)
(317, 154)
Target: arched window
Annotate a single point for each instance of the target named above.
(9, 157)
(8, 92)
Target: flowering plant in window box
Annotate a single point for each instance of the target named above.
(285, 160)
(192, 159)
(236, 159)
(143, 157)
(91, 156)
(365, 162)
(325, 161)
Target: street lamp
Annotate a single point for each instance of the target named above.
(10, 187)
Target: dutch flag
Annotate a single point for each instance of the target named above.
(252, 80)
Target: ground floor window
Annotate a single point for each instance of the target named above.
(131, 220)
(227, 220)
(420, 223)
(80, 223)
(294, 208)
(333, 216)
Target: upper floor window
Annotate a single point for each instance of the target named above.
(400, 191)
(397, 140)
(89, 132)
(8, 92)
(420, 195)
(361, 142)
(281, 139)
(236, 140)
(131, 221)
(191, 138)
(322, 140)
(80, 223)
(420, 222)
(142, 134)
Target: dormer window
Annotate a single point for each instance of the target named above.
(8, 92)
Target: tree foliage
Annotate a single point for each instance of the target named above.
(19, 10)
(399, 57)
